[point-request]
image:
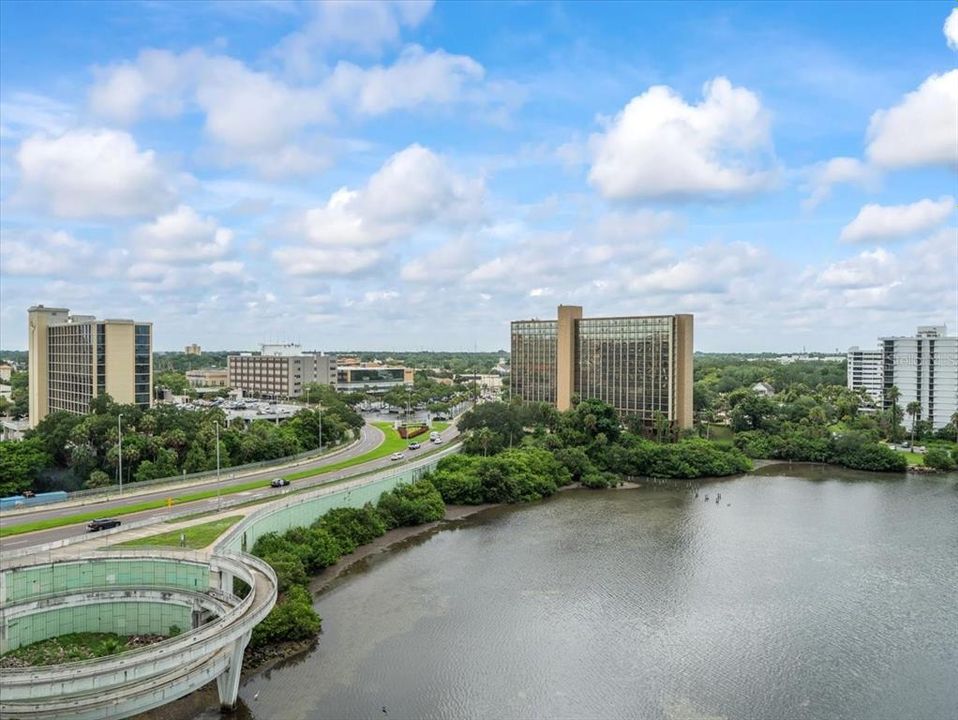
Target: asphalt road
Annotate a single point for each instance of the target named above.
(371, 438)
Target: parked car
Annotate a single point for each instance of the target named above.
(397, 456)
(102, 524)
(278, 482)
(414, 446)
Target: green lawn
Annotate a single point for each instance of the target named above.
(914, 458)
(196, 536)
(392, 443)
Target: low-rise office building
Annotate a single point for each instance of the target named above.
(76, 358)
(372, 378)
(640, 365)
(279, 371)
(208, 378)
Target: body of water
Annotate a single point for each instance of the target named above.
(819, 594)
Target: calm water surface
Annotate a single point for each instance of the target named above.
(821, 595)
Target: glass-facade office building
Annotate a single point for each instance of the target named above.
(534, 360)
(642, 366)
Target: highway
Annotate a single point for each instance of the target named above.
(371, 438)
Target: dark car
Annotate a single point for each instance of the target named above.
(102, 524)
(279, 482)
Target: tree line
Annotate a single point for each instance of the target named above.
(66, 451)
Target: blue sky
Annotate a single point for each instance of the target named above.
(408, 175)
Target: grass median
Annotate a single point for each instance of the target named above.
(193, 537)
(392, 443)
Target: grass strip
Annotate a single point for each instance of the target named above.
(194, 537)
(392, 443)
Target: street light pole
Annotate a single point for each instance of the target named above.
(217, 464)
(119, 451)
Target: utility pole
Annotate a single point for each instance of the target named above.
(119, 451)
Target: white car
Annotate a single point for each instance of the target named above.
(396, 456)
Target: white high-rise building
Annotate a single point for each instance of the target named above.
(924, 368)
(865, 372)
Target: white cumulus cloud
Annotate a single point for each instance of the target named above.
(92, 173)
(38, 253)
(921, 130)
(182, 237)
(951, 29)
(661, 146)
(413, 187)
(837, 171)
(891, 222)
(364, 25)
(416, 78)
(326, 261)
(413, 190)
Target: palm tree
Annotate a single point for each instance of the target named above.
(914, 409)
(892, 394)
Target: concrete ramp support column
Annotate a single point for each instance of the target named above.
(227, 683)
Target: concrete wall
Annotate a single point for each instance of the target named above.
(122, 618)
(684, 376)
(21, 584)
(120, 355)
(565, 355)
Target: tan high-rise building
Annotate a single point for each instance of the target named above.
(76, 358)
(193, 349)
(639, 365)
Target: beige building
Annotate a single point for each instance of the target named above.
(5, 372)
(193, 349)
(279, 371)
(208, 378)
(640, 365)
(76, 358)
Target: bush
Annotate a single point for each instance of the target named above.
(289, 569)
(874, 457)
(352, 527)
(598, 479)
(456, 480)
(939, 458)
(293, 618)
(413, 504)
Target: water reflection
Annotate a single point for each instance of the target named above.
(815, 597)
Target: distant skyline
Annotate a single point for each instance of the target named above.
(414, 176)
